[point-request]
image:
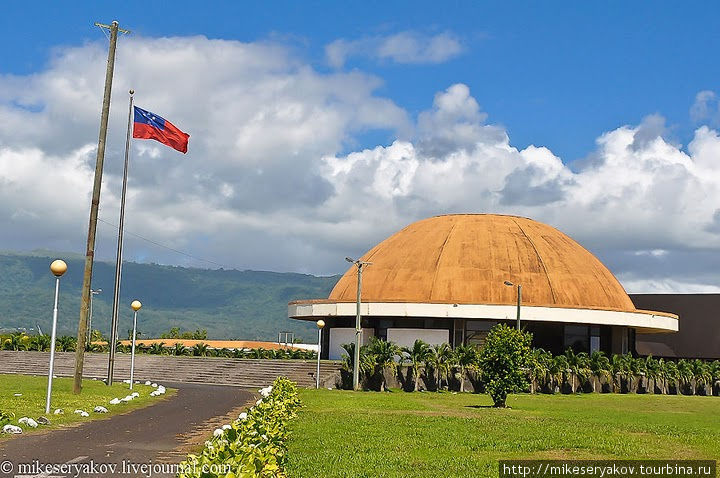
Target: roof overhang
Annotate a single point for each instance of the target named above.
(643, 320)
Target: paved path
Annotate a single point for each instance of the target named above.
(160, 433)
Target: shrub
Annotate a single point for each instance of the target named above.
(255, 445)
(504, 359)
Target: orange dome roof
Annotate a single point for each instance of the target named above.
(465, 258)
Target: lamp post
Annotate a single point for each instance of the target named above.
(519, 299)
(93, 292)
(358, 329)
(320, 324)
(58, 268)
(135, 307)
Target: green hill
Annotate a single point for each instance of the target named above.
(228, 303)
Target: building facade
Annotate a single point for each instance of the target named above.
(451, 278)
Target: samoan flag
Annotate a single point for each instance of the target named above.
(148, 125)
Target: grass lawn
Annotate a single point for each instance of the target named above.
(345, 433)
(32, 402)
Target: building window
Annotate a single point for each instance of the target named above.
(577, 338)
(594, 339)
(477, 330)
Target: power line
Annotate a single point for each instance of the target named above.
(224, 266)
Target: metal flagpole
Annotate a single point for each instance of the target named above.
(119, 256)
(94, 206)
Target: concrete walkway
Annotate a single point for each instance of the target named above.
(135, 443)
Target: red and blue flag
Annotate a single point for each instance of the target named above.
(148, 125)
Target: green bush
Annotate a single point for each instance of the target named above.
(255, 445)
(504, 360)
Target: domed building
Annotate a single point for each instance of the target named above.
(451, 278)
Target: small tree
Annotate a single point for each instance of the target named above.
(417, 355)
(465, 358)
(504, 359)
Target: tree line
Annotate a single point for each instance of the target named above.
(67, 343)
(506, 363)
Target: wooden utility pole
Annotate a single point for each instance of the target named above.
(89, 255)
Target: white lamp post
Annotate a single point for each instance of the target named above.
(320, 324)
(93, 292)
(58, 268)
(519, 299)
(135, 306)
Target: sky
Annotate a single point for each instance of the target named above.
(317, 129)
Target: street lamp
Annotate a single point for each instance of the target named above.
(519, 299)
(358, 330)
(135, 306)
(58, 268)
(93, 292)
(320, 324)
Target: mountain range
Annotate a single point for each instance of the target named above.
(229, 304)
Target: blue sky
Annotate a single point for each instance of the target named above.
(319, 128)
(553, 73)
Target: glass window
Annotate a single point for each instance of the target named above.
(577, 337)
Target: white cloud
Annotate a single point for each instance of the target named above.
(265, 184)
(406, 47)
(706, 108)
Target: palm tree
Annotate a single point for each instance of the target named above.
(41, 343)
(670, 375)
(366, 363)
(600, 366)
(653, 371)
(416, 355)
(16, 341)
(66, 343)
(465, 357)
(200, 350)
(579, 366)
(558, 369)
(702, 373)
(685, 375)
(439, 360)
(540, 369)
(383, 355)
(178, 349)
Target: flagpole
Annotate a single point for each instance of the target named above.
(119, 256)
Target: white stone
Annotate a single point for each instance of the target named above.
(114, 401)
(148, 382)
(84, 414)
(59, 411)
(79, 412)
(154, 385)
(100, 409)
(11, 429)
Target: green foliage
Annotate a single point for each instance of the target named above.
(252, 446)
(382, 355)
(466, 357)
(440, 360)
(416, 355)
(504, 359)
(5, 418)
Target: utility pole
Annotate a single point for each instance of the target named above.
(358, 321)
(94, 205)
